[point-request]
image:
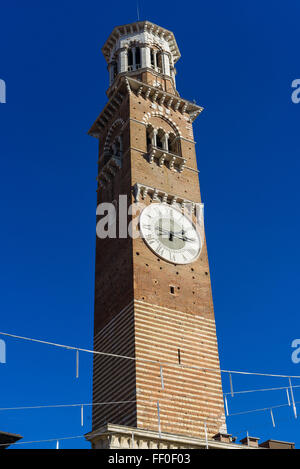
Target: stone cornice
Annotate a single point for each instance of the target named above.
(121, 437)
(140, 191)
(169, 100)
(136, 28)
(100, 125)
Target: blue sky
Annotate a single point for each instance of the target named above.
(238, 61)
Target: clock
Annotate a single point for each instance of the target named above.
(170, 234)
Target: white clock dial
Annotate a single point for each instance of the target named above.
(170, 234)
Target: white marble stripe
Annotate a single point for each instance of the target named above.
(172, 326)
(175, 394)
(164, 354)
(192, 383)
(208, 375)
(126, 330)
(124, 310)
(172, 310)
(153, 323)
(169, 338)
(177, 320)
(180, 321)
(105, 378)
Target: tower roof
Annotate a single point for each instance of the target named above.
(137, 28)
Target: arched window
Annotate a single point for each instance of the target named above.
(134, 58)
(115, 149)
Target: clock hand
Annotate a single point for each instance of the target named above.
(169, 233)
(172, 233)
(164, 231)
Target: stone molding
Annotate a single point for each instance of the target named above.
(120, 437)
(140, 191)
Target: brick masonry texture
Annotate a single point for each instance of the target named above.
(135, 312)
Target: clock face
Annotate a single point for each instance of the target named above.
(170, 234)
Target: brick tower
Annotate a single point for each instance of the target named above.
(153, 299)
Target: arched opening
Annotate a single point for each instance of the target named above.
(114, 69)
(160, 139)
(149, 136)
(160, 62)
(174, 144)
(152, 58)
(130, 60)
(138, 57)
(115, 149)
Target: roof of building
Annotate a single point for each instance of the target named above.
(7, 439)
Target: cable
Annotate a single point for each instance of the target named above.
(45, 441)
(260, 390)
(261, 410)
(115, 402)
(149, 360)
(96, 434)
(127, 402)
(52, 406)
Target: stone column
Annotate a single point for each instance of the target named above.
(165, 142)
(123, 60)
(154, 140)
(173, 75)
(166, 63)
(145, 57)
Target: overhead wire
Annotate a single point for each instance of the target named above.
(96, 352)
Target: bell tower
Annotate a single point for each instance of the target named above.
(153, 299)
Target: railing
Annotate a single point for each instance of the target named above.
(131, 68)
(162, 156)
(157, 69)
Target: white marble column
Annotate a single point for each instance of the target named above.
(165, 142)
(145, 57)
(123, 60)
(166, 64)
(154, 139)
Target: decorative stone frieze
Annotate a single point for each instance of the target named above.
(161, 157)
(141, 191)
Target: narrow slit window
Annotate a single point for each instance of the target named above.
(172, 290)
(179, 356)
